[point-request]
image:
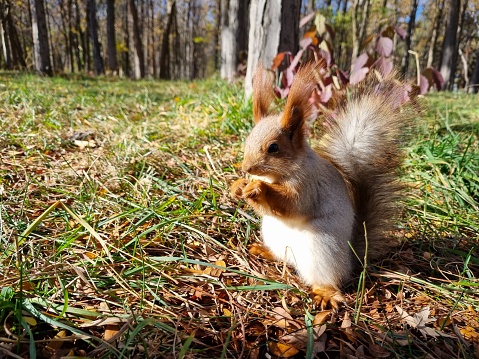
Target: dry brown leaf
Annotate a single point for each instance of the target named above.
(110, 331)
(469, 333)
(378, 351)
(300, 338)
(56, 344)
(321, 317)
(346, 321)
(282, 350)
(443, 322)
(215, 272)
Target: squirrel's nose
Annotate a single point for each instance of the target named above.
(246, 167)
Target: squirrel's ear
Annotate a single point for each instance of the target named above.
(299, 108)
(262, 93)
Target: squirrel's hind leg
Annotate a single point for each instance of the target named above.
(327, 296)
(260, 250)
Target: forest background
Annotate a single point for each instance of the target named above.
(192, 39)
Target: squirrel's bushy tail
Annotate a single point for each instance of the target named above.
(363, 141)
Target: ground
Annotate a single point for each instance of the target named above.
(120, 238)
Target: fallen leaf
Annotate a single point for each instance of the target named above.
(346, 321)
(378, 351)
(55, 343)
(282, 350)
(110, 331)
(321, 317)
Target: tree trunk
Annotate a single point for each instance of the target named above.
(449, 44)
(289, 36)
(360, 19)
(93, 31)
(264, 35)
(234, 42)
(138, 55)
(474, 87)
(436, 26)
(460, 30)
(165, 46)
(110, 36)
(12, 49)
(41, 49)
(408, 41)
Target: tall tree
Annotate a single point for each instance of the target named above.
(436, 25)
(41, 49)
(234, 27)
(110, 36)
(474, 85)
(12, 49)
(449, 44)
(165, 44)
(266, 31)
(360, 17)
(93, 31)
(138, 54)
(408, 40)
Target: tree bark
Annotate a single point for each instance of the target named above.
(474, 86)
(264, 35)
(111, 37)
(12, 49)
(93, 31)
(289, 36)
(165, 46)
(449, 44)
(138, 55)
(408, 41)
(436, 26)
(360, 19)
(41, 49)
(234, 42)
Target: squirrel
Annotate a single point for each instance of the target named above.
(322, 209)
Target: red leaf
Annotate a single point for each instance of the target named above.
(277, 61)
(326, 56)
(388, 32)
(434, 76)
(401, 32)
(384, 46)
(361, 61)
(423, 84)
(384, 65)
(305, 42)
(296, 59)
(326, 94)
(358, 75)
(306, 19)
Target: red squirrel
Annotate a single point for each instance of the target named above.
(315, 204)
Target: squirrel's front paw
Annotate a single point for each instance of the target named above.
(327, 296)
(253, 190)
(237, 188)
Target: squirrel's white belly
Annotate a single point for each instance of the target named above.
(314, 254)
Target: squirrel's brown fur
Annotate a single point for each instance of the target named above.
(314, 203)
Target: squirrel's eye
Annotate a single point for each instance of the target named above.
(273, 148)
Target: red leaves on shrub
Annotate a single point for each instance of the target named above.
(384, 46)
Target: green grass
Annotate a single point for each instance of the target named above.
(120, 239)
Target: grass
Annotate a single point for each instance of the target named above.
(120, 239)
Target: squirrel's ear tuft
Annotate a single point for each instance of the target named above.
(263, 94)
(300, 108)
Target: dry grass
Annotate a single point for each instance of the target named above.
(120, 239)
